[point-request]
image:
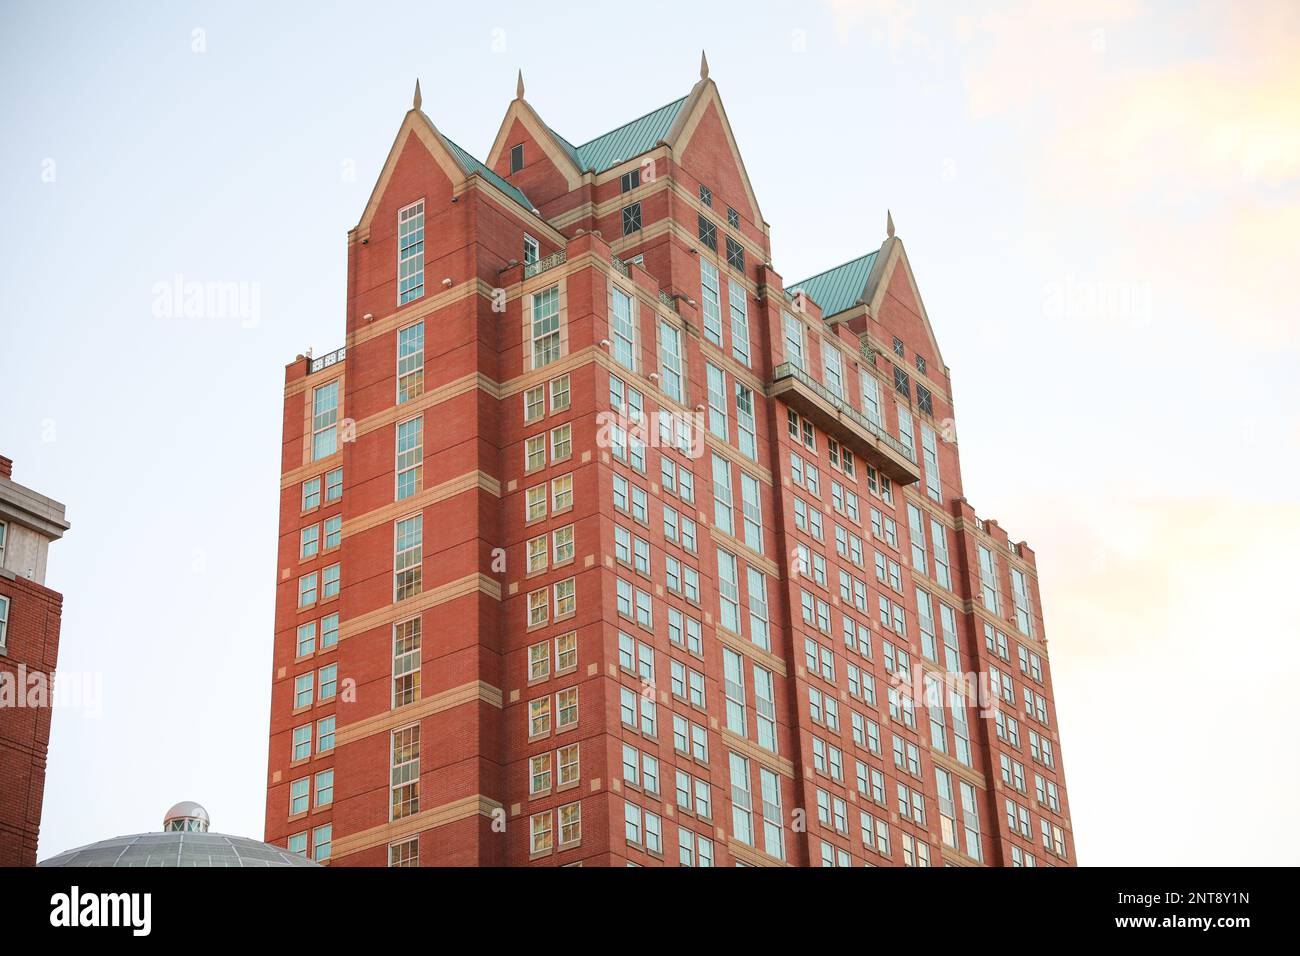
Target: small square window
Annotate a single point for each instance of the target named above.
(630, 180)
(706, 195)
(516, 158)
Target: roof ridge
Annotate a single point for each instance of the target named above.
(631, 121)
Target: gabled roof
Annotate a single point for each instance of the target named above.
(631, 139)
(838, 289)
(472, 165)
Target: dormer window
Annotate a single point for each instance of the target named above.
(516, 158)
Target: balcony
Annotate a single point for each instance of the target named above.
(546, 262)
(325, 361)
(833, 415)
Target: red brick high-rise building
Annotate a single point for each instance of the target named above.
(29, 650)
(600, 543)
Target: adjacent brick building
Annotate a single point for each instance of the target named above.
(29, 651)
(600, 543)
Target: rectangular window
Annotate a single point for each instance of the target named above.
(631, 218)
(410, 252)
(833, 369)
(759, 626)
(728, 592)
(324, 421)
(752, 511)
(410, 362)
(930, 458)
(722, 495)
(410, 457)
(405, 854)
(670, 361)
(532, 251)
(717, 392)
(989, 593)
(406, 662)
(742, 801)
(734, 686)
(871, 400)
(1020, 598)
(708, 233)
(746, 431)
(310, 494)
(711, 302)
(735, 254)
(794, 341)
(546, 326)
(404, 776)
(408, 557)
(738, 301)
(622, 326)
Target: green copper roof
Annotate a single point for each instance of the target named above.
(837, 289)
(472, 165)
(630, 139)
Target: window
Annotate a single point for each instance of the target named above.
(303, 688)
(406, 853)
(410, 362)
(410, 252)
(930, 458)
(746, 430)
(539, 830)
(325, 734)
(321, 839)
(307, 590)
(311, 494)
(924, 400)
(410, 457)
(708, 233)
(568, 761)
(309, 542)
(759, 628)
(622, 325)
(1020, 598)
(301, 742)
(546, 326)
(298, 844)
(833, 369)
(299, 796)
(989, 581)
(324, 421)
(733, 218)
(670, 361)
(752, 511)
(739, 322)
(710, 301)
(328, 680)
(728, 592)
(334, 484)
(406, 662)
(773, 835)
(408, 555)
(330, 581)
(404, 787)
(534, 404)
(559, 393)
(734, 686)
(717, 391)
(722, 496)
(516, 158)
(570, 824)
(735, 254)
(742, 822)
(532, 251)
(324, 788)
(706, 195)
(630, 180)
(631, 218)
(902, 384)
(794, 341)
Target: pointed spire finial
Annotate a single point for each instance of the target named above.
(415, 103)
(704, 66)
(519, 86)
(889, 223)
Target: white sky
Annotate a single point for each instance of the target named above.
(1100, 202)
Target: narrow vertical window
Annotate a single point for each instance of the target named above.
(406, 662)
(546, 326)
(324, 421)
(717, 390)
(746, 432)
(410, 362)
(670, 361)
(728, 592)
(742, 801)
(1020, 597)
(734, 685)
(623, 328)
(532, 251)
(739, 321)
(410, 252)
(794, 337)
(930, 457)
(711, 302)
(516, 158)
(408, 557)
(410, 457)
(404, 787)
(833, 369)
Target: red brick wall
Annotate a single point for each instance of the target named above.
(33, 642)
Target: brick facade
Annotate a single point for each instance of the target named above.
(774, 693)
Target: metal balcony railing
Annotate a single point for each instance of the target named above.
(546, 262)
(325, 361)
(789, 370)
